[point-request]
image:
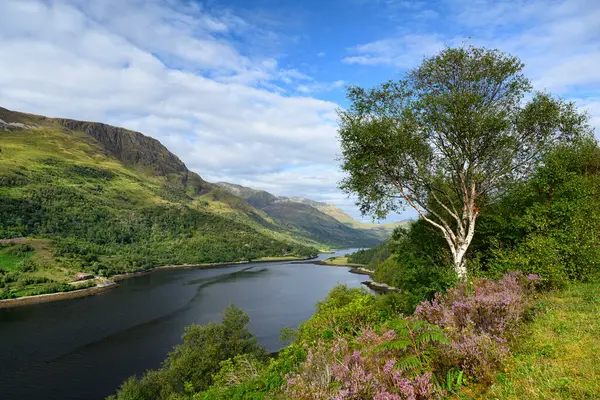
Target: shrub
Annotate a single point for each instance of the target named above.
(479, 318)
(371, 367)
(192, 365)
(27, 265)
(343, 313)
(20, 249)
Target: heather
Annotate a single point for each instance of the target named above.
(359, 346)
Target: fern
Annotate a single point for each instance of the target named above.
(454, 380)
(415, 338)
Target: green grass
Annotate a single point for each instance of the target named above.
(8, 262)
(282, 258)
(341, 261)
(558, 354)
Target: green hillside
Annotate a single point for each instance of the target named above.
(105, 200)
(309, 219)
(383, 231)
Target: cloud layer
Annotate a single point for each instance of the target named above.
(176, 74)
(233, 96)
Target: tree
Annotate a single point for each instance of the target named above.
(448, 137)
(191, 365)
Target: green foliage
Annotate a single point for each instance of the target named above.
(27, 265)
(193, 365)
(549, 225)
(454, 380)
(371, 258)
(19, 250)
(241, 368)
(454, 132)
(418, 266)
(416, 340)
(343, 313)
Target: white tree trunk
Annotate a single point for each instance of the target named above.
(460, 240)
(460, 266)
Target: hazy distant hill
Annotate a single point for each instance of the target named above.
(321, 221)
(383, 230)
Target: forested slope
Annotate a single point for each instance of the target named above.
(107, 200)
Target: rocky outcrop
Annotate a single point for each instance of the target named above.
(138, 151)
(131, 148)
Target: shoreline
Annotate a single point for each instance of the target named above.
(380, 287)
(50, 297)
(73, 294)
(354, 268)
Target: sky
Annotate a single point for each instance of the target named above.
(247, 91)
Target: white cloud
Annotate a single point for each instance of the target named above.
(402, 52)
(558, 40)
(320, 86)
(172, 74)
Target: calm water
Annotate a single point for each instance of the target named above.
(84, 348)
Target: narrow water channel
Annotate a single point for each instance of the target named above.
(84, 348)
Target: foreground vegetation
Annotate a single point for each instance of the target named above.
(357, 345)
(557, 356)
(514, 316)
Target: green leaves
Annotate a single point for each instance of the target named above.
(202, 357)
(449, 137)
(415, 339)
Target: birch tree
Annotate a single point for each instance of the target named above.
(452, 134)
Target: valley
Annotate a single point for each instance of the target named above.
(83, 197)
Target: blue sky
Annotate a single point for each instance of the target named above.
(246, 91)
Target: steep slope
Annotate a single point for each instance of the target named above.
(256, 198)
(107, 200)
(304, 218)
(319, 226)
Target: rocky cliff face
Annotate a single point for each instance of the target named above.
(139, 151)
(133, 149)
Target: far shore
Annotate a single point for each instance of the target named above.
(48, 297)
(106, 284)
(110, 282)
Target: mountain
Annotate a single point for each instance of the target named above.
(316, 220)
(381, 230)
(82, 196)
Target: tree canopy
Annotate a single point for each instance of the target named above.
(448, 138)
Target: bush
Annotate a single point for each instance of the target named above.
(479, 318)
(192, 365)
(362, 370)
(343, 313)
(549, 225)
(27, 265)
(20, 249)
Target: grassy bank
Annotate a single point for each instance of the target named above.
(341, 261)
(558, 354)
